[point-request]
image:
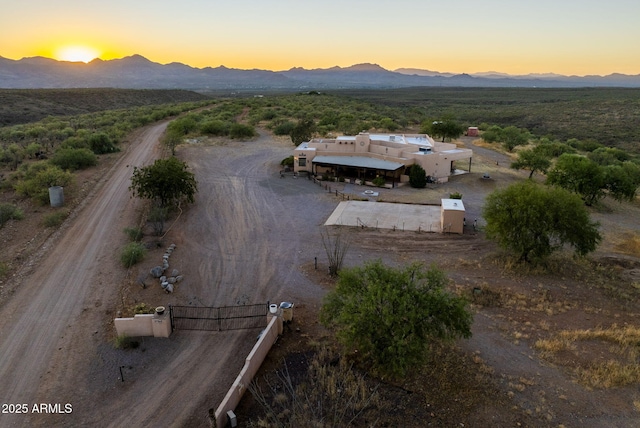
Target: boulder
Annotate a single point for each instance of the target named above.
(156, 272)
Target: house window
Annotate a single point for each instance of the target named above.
(302, 162)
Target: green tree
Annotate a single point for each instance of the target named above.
(388, 124)
(580, 175)
(183, 125)
(391, 315)
(302, 131)
(533, 221)
(622, 181)
(510, 137)
(533, 160)
(167, 181)
(447, 128)
(608, 156)
(492, 134)
(171, 139)
(417, 176)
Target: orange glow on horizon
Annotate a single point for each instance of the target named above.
(76, 53)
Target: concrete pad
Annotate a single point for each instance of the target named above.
(384, 215)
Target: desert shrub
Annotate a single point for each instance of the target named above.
(584, 146)
(74, 143)
(214, 127)
(417, 176)
(455, 195)
(343, 395)
(35, 180)
(238, 130)
(143, 308)
(157, 217)
(379, 181)
(33, 150)
(284, 128)
(74, 159)
(269, 114)
(101, 143)
(9, 212)
(184, 125)
(55, 219)
(125, 342)
(4, 269)
(288, 161)
(135, 234)
(388, 124)
(132, 253)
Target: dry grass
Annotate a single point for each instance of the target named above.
(629, 244)
(331, 394)
(620, 366)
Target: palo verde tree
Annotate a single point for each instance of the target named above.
(167, 181)
(534, 220)
(392, 315)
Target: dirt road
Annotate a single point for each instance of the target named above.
(65, 280)
(234, 248)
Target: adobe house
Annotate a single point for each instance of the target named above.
(473, 131)
(365, 156)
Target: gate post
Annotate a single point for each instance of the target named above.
(173, 326)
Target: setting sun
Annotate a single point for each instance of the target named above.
(76, 54)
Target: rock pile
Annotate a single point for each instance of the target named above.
(166, 282)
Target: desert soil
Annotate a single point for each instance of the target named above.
(253, 237)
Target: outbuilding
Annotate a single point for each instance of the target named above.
(452, 216)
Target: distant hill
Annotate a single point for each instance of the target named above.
(137, 72)
(24, 106)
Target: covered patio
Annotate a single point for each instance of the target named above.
(358, 167)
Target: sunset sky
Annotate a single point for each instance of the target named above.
(462, 36)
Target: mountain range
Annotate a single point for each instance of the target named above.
(137, 72)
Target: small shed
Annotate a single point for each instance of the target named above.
(452, 216)
(473, 131)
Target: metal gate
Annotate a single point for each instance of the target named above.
(218, 319)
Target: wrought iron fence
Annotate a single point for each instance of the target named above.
(218, 318)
